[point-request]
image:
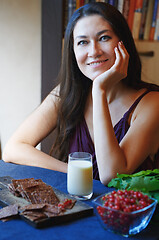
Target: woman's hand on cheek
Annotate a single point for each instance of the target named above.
(117, 72)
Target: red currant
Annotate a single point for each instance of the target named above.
(124, 202)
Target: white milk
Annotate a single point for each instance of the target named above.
(80, 177)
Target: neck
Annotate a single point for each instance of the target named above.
(115, 92)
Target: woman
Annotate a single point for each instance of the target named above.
(100, 104)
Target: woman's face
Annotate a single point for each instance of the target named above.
(94, 43)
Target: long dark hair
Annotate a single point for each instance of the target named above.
(74, 86)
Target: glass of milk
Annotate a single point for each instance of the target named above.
(80, 175)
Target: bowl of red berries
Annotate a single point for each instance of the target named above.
(124, 212)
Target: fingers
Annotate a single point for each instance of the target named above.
(118, 57)
(122, 59)
(123, 52)
(118, 70)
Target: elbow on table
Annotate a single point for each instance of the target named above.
(106, 179)
(108, 174)
(6, 154)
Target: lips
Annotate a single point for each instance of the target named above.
(95, 63)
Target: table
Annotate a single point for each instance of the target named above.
(84, 228)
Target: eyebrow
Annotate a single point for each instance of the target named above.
(98, 34)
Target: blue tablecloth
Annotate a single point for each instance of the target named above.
(84, 228)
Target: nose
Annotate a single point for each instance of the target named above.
(94, 50)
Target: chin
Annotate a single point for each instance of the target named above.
(95, 76)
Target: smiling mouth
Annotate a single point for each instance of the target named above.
(97, 62)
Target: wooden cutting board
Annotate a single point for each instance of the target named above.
(79, 210)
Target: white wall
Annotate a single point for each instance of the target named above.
(20, 62)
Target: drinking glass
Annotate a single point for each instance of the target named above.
(80, 175)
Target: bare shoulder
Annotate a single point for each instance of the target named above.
(150, 102)
(148, 107)
(51, 101)
(55, 91)
(46, 113)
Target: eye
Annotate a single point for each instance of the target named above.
(82, 42)
(104, 38)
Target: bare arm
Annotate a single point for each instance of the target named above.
(21, 149)
(142, 138)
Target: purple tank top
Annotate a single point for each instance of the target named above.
(81, 140)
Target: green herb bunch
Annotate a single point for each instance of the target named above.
(144, 181)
